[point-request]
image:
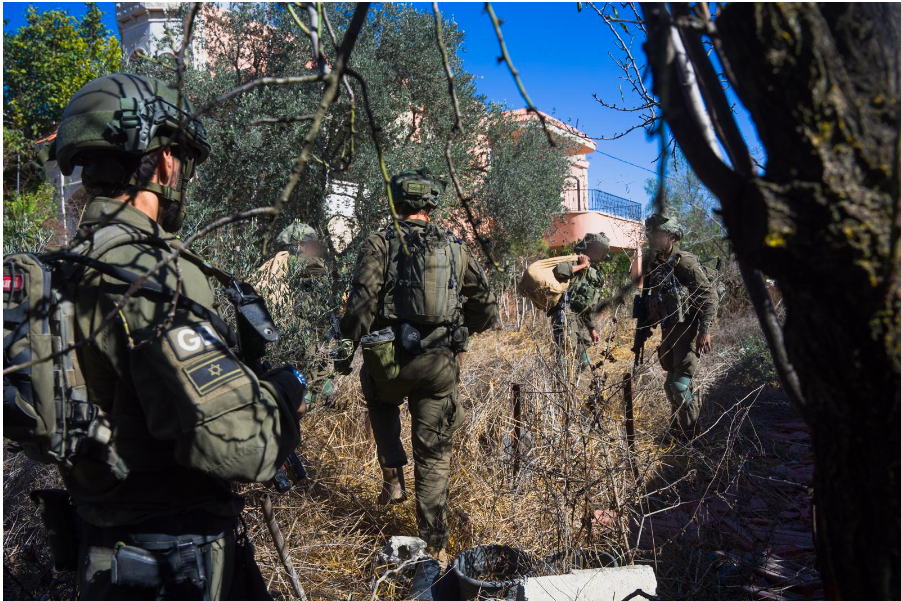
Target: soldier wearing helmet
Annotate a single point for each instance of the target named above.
(683, 302)
(573, 318)
(188, 417)
(415, 299)
(292, 281)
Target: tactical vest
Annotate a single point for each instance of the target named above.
(668, 299)
(422, 284)
(585, 293)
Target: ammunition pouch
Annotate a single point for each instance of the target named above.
(182, 569)
(61, 524)
(416, 339)
(179, 566)
(379, 356)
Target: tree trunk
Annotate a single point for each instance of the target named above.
(823, 86)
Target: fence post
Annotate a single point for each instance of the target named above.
(517, 424)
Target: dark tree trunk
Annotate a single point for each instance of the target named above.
(823, 85)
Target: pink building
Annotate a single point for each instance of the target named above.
(589, 210)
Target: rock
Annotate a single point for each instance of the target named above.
(604, 584)
(397, 550)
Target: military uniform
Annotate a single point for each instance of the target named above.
(186, 415)
(575, 316)
(429, 381)
(275, 277)
(686, 305)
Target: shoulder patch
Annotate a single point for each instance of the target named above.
(192, 340)
(209, 373)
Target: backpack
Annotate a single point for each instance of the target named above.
(46, 409)
(422, 285)
(713, 274)
(539, 284)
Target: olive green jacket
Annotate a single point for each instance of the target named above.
(702, 299)
(187, 416)
(367, 291)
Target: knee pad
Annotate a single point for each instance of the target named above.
(679, 386)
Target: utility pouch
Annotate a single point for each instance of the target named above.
(459, 339)
(61, 523)
(411, 339)
(378, 355)
(134, 566)
(179, 570)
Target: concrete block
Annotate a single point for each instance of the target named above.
(603, 584)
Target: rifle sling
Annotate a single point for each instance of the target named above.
(152, 287)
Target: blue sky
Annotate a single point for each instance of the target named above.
(562, 56)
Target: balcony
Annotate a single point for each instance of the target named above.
(603, 202)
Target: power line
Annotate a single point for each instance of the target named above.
(632, 164)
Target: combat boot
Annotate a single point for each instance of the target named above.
(427, 573)
(393, 490)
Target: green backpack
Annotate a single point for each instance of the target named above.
(422, 285)
(46, 409)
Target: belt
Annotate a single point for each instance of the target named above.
(160, 533)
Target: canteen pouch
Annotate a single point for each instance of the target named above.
(60, 522)
(378, 355)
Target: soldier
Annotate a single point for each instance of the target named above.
(298, 256)
(406, 308)
(681, 299)
(573, 318)
(187, 416)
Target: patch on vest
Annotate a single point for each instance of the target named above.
(210, 373)
(190, 341)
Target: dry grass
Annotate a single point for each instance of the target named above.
(574, 486)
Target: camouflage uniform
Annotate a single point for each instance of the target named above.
(429, 382)
(678, 352)
(187, 417)
(574, 316)
(274, 278)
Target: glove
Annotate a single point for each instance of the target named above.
(291, 385)
(343, 356)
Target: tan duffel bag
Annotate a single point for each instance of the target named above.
(539, 284)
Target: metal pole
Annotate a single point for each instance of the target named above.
(280, 547)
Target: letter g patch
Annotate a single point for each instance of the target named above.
(190, 341)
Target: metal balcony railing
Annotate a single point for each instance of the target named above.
(602, 202)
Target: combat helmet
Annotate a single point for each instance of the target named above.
(132, 115)
(417, 189)
(294, 234)
(659, 222)
(592, 238)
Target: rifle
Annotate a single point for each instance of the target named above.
(642, 333)
(255, 330)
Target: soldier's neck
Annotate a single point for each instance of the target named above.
(421, 215)
(145, 201)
